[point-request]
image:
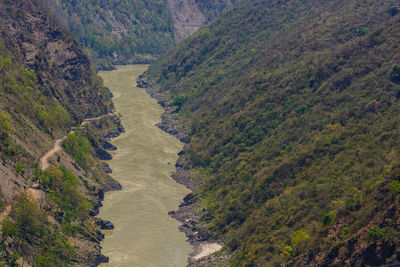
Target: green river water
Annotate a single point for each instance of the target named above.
(144, 234)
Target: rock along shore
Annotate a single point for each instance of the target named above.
(186, 214)
(106, 187)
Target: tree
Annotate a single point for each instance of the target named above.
(395, 75)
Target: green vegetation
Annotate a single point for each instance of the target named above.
(84, 146)
(395, 74)
(61, 187)
(179, 101)
(375, 233)
(28, 232)
(32, 234)
(78, 146)
(118, 28)
(212, 8)
(46, 86)
(125, 31)
(22, 92)
(293, 109)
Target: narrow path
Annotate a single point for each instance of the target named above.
(44, 160)
(86, 121)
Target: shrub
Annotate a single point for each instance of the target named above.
(8, 229)
(233, 243)
(361, 31)
(79, 147)
(19, 169)
(395, 74)
(61, 186)
(4, 125)
(393, 11)
(299, 240)
(287, 253)
(328, 217)
(394, 186)
(375, 233)
(344, 232)
(179, 101)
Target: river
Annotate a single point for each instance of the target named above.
(144, 234)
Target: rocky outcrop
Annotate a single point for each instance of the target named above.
(106, 168)
(186, 214)
(111, 186)
(182, 173)
(104, 224)
(107, 145)
(190, 15)
(170, 122)
(102, 154)
(100, 259)
(187, 18)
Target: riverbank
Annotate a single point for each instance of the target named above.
(106, 134)
(197, 234)
(144, 233)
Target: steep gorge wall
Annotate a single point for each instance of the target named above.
(46, 87)
(293, 109)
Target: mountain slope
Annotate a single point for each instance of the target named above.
(122, 31)
(292, 112)
(118, 30)
(46, 87)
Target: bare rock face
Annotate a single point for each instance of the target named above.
(187, 18)
(190, 15)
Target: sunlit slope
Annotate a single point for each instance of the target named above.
(293, 107)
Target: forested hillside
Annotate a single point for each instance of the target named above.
(212, 8)
(123, 31)
(292, 108)
(118, 30)
(47, 86)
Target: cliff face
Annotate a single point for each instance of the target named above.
(187, 18)
(292, 109)
(46, 87)
(190, 15)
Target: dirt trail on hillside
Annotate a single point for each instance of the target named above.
(44, 160)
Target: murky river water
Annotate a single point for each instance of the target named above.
(144, 234)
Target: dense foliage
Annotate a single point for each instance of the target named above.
(122, 31)
(79, 147)
(293, 110)
(118, 28)
(31, 233)
(213, 8)
(62, 189)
